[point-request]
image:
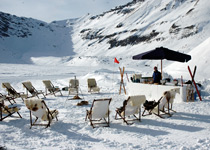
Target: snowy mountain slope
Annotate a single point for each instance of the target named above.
(143, 25)
(202, 55)
(121, 32)
(187, 129)
(22, 38)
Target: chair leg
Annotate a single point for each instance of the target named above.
(107, 122)
(19, 114)
(54, 94)
(48, 125)
(42, 94)
(87, 113)
(60, 92)
(14, 101)
(52, 112)
(31, 119)
(46, 91)
(172, 108)
(127, 122)
(1, 114)
(144, 112)
(163, 111)
(37, 96)
(10, 102)
(22, 98)
(117, 113)
(140, 114)
(120, 117)
(149, 112)
(91, 122)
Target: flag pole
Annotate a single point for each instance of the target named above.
(115, 61)
(113, 79)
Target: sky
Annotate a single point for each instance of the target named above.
(51, 10)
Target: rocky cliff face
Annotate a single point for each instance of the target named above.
(22, 38)
(12, 25)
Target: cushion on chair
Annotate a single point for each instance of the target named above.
(38, 109)
(137, 100)
(100, 109)
(11, 110)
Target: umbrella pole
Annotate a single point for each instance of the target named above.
(161, 69)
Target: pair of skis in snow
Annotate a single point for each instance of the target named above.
(192, 76)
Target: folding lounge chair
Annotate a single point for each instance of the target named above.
(8, 98)
(73, 86)
(92, 85)
(170, 96)
(158, 108)
(51, 88)
(99, 112)
(164, 105)
(8, 111)
(29, 88)
(12, 92)
(39, 109)
(131, 107)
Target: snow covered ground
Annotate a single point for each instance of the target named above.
(187, 129)
(62, 53)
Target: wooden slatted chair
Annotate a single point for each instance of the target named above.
(99, 112)
(92, 85)
(39, 109)
(10, 99)
(131, 109)
(158, 108)
(170, 96)
(49, 87)
(30, 89)
(73, 86)
(8, 111)
(12, 92)
(163, 107)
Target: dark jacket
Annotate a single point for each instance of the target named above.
(156, 77)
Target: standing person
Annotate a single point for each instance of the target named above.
(156, 76)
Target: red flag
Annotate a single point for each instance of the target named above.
(116, 61)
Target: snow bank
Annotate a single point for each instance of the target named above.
(200, 58)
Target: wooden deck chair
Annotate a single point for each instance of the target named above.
(170, 96)
(10, 99)
(49, 87)
(12, 92)
(130, 109)
(99, 112)
(73, 86)
(39, 109)
(8, 111)
(30, 89)
(158, 108)
(92, 85)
